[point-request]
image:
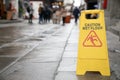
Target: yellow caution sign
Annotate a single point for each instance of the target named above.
(92, 50)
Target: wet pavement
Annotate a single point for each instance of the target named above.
(37, 53)
(47, 52)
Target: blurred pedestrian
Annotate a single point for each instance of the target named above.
(54, 18)
(63, 14)
(30, 11)
(49, 14)
(40, 12)
(76, 14)
(57, 16)
(46, 14)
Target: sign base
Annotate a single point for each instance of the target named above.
(93, 65)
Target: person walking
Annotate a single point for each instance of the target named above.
(76, 13)
(40, 12)
(58, 14)
(30, 12)
(63, 13)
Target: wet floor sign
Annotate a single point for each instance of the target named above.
(92, 50)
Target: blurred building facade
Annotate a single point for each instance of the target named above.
(6, 6)
(17, 6)
(11, 9)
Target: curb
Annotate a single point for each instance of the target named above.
(10, 21)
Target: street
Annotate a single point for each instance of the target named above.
(47, 52)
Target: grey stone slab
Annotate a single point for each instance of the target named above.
(72, 47)
(5, 61)
(31, 71)
(52, 45)
(68, 64)
(41, 59)
(69, 75)
(70, 54)
(45, 54)
(31, 40)
(56, 39)
(15, 49)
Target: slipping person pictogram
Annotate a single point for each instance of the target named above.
(92, 40)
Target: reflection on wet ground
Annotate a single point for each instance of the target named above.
(18, 40)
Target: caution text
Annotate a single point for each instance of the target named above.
(92, 26)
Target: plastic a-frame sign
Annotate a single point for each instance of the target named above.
(92, 48)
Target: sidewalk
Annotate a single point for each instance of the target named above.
(67, 68)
